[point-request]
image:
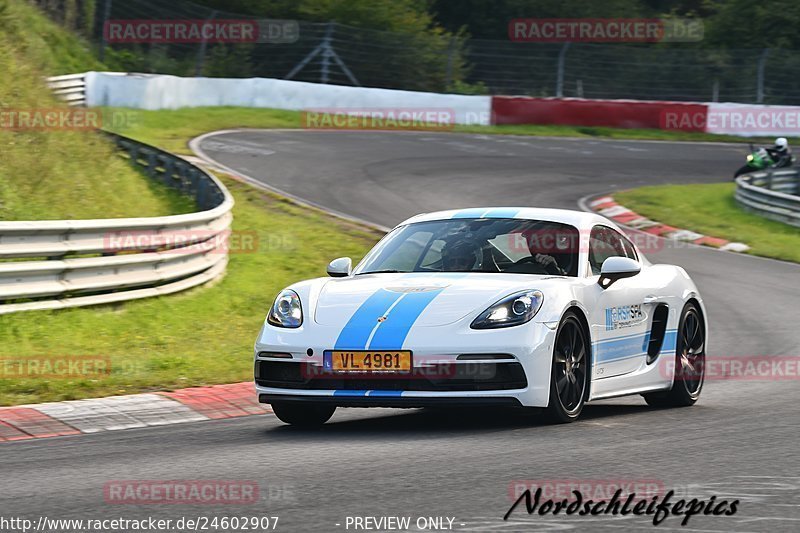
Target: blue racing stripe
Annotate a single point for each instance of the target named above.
(385, 393)
(356, 332)
(501, 212)
(670, 341)
(391, 334)
(620, 348)
(475, 212)
(350, 392)
(630, 345)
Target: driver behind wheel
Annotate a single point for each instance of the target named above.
(461, 255)
(547, 246)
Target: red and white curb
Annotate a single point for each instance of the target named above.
(609, 208)
(132, 411)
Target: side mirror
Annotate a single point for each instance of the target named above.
(340, 268)
(615, 268)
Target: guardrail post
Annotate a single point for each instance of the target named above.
(451, 50)
(326, 53)
(202, 193)
(201, 52)
(167, 164)
(194, 180)
(133, 153)
(104, 42)
(152, 162)
(562, 59)
(762, 65)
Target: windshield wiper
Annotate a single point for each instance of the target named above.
(386, 271)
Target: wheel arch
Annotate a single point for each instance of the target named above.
(698, 303)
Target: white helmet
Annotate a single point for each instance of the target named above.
(781, 143)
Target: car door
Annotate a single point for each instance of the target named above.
(619, 321)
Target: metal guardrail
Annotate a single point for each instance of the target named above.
(90, 262)
(71, 88)
(773, 194)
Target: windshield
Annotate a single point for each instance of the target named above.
(504, 245)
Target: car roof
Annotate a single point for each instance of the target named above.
(579, 219)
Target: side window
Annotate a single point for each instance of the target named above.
(630, 251)
(604, 243)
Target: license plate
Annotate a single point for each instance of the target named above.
(370, 361)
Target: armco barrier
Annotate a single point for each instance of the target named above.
(90, 262)
(605, 113)
(70, 88)
(773, 194)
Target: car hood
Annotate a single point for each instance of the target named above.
(416, 298)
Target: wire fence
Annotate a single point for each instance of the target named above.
(340, 54)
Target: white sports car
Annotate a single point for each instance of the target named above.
(533, 308)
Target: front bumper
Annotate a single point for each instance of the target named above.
(439, 376)
(407, 402)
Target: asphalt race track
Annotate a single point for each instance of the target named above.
(739, 442)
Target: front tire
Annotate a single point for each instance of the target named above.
(569, 377)
(690, 358)
(744, 170)
(303, 414)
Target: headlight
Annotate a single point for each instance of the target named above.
(510, 311)
(750, 157)
(286, 312)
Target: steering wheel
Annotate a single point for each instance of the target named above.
(545, 269)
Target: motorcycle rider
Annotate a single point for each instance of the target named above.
(780, 153)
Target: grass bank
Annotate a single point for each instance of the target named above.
(63, 171)
(711, 209)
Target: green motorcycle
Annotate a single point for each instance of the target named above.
(763, 158)
(757, 160)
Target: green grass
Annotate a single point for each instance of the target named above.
(199, 337)
(43, 44)
(60, 174)
(710, 209)
(172, 129)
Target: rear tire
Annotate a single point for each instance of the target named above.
(303, 414)
(569, 376)
(690, 357)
